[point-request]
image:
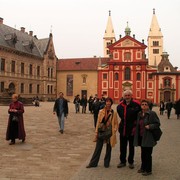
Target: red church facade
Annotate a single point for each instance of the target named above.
(127, 69)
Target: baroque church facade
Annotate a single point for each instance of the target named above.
(153, 78)
(27, 64)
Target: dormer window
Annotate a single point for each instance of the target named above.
(11, 38)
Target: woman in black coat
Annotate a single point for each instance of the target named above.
(147, 121)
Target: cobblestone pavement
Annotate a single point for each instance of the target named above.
(47, 154)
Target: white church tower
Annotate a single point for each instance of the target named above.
(155, 42)
(109, 36)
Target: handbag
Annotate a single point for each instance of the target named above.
(156, 133)
(15, 119)
(104, 131)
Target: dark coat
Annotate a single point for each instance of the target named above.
(65, 107)
(20, 110)
(169, 106)
(152, 120)
(128, 115)
(177, 107)
(83, 102)
(161, 106)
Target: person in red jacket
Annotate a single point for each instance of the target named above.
(15, 128)
(127, 110)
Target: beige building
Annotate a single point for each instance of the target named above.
(27, 64)
(78, 76)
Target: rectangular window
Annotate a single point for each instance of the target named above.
(30, 88)
(104, 76)
(30, 69)
(2, 64)
(22, 68)
(13, 66)
(22, 88)
(38, 70)
(48, 89)
(2, 87)
(51, 72)
(38, 89)
(51, 89)
(155, 51)
(48, 72)
(149, 76)
(127, 56)
(155, 43)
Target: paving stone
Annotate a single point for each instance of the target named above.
(47, 154)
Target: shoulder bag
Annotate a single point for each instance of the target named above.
(104, 131)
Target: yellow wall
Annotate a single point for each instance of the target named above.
(78, 85)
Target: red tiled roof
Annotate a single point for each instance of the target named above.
(80, 64)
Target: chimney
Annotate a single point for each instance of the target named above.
(120, 36)
(134, 36)
(143, 41)
(23, 29)
(31, 33)
(1, 20)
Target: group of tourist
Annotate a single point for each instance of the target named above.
(84, 101)
(136, 123)
(167, 107)
(137, 120)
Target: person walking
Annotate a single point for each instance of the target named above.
(127, 110)
(96, 108)
(90, 102)
(106, 115)
(84, 103)
(15, 128)
(169, 106)
(161, 107)
(61, 110)
(77, 103)
(177, 108)
(147, 120)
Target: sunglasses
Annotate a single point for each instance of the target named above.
(144, 104)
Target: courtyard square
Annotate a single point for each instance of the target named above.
(47, 154)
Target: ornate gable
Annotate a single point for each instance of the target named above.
(127, 42)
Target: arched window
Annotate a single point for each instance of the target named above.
(116, 76)
(84, 80)
(127, 73)
(138, 76)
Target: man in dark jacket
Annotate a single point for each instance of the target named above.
(61, 110)
(96, 108)
(177, 108)
(127, 110)
(169, 106)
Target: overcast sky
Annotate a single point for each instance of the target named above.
(78, 25)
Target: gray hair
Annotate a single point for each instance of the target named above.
(128, 91)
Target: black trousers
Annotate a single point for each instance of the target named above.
(146, 158)
(97, 153)
(95, 119)
(13, 130)
(168, 113)
(124, 140)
